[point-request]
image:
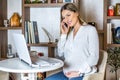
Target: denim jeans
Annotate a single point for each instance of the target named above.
(61, 76)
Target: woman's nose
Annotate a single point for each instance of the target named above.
(65, 20)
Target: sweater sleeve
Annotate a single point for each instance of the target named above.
(61, 45)
(93, 44)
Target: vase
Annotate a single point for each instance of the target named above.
(15, 20)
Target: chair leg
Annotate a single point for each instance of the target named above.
(4, 75)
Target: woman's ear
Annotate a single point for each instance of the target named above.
(77, 14)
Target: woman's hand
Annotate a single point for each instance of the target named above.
(72, 74)
(64, 28)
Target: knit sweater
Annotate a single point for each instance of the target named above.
(81, 52)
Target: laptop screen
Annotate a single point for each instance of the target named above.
(21, 47)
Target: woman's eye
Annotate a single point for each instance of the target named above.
(68, 15)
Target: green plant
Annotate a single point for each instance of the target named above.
(114, 59)
(27, 1)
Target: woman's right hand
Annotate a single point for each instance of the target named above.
(64, 28)
(72, 74)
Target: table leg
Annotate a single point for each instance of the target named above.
(32, 76)
(28, 76)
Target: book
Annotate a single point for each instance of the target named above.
(109, 33)
(32, 36)
(113, 35)
(26, 31)
(36, 34)
(29, 33)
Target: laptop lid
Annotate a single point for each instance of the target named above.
(21, 47)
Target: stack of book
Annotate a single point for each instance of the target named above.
(31, 32)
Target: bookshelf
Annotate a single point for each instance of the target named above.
(26, 17)
(108, 19)
(3, 33)
(4, 30)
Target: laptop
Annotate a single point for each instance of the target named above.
(23, 53)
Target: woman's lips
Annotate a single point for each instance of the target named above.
(69, 23)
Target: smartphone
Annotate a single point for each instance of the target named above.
(66, 25)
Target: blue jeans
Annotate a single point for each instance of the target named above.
(61, 76)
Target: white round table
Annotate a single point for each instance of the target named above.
(15, 65)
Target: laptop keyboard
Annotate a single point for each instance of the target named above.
(42, 61)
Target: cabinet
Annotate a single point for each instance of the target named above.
(108, 19)
(26, 17)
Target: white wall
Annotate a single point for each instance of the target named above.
(13, 6)
(91, 11)
(49, 18)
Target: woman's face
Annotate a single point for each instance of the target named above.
(69, 17)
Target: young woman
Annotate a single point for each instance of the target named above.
(78, 44)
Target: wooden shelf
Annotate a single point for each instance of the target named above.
(113, 45)
(113, 17)
(47, 44)
(44, 5)
(100, 31)
(7, 28)
(50, 46)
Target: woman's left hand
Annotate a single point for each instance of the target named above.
(72, 74)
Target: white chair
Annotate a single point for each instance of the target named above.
(100, 74)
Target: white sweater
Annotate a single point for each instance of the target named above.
(81, 53)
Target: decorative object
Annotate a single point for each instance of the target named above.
(114, 59)
(40, 54)
(9, 53)
(53, 1)
(71, 1)
(36, 1)
(92, 23)
(15, 20)
(118, 9)
(111, 11)
(117, 35)
(60, 1)
(75, 1)
(48, 35)
(40, 76)
(6, 23)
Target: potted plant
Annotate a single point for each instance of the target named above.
(114, 59)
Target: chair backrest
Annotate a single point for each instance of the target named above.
(102, 61)
(100, 74)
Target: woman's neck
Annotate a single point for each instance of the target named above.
(76, 28)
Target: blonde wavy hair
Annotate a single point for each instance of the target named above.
(73, 8)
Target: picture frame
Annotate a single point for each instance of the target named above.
(68, 1)
(118, 9)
